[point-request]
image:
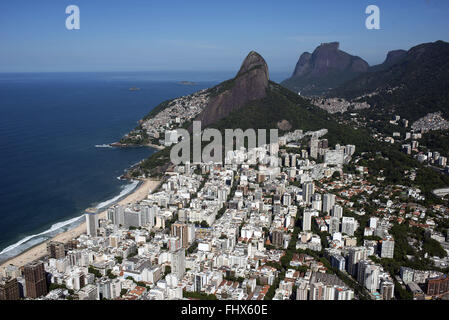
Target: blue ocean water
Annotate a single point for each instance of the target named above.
(50, 124)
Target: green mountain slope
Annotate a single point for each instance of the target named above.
(283, 104)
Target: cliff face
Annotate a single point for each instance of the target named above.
(249, 84)
(325, 68)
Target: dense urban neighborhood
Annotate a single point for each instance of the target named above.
(309, 221)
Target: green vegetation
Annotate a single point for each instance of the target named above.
(401, 233)
(272, 290)
(280, 104)
(167, 270)
(138, 136)
(198, 295)
(204, 224)
(54, 286)
(234, 279)
(110, 274)
(94, 271)
(192, 248)
(436, 141)
(119, 259)
(156, 164)
(391, 164)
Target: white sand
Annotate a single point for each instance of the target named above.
(40, 250)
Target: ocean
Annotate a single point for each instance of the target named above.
(53, 130)
(53, 164)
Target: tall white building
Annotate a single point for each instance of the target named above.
(337, 211)
(287, 199)
(356, 254)
(348, 226)
(178, 262)
(407, 274)
(387, 248)
(308, 188)
(373, 222)
(334, 157)
(334, 225)
(368, 275)
(316, 201)
(328, 202)
(91, 224)
(307, 220)
(314, 147)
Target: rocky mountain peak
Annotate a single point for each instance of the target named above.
(253, 61)
(250, 83)
(326, 67)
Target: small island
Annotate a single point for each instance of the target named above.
(188, 83)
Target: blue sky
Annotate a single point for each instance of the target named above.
(145, 35)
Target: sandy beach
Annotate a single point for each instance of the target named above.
(36, 252)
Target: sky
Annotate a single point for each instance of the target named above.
(196, 35)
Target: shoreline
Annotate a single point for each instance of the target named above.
(155, 146)
(40, 250)
(124, 145)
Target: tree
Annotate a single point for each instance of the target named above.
(193, 247)
(336, 175)
(198, 295)
(94, 271)
(110, 274)
(167, 270)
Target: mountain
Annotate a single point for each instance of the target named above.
(251, 100)
(249, 84)
(410, 84)
(393, 57)
(327, 67)
(263, 104)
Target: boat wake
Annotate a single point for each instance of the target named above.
(103, 146)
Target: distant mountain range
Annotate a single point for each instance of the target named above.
(409, 83)
(251, 100)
